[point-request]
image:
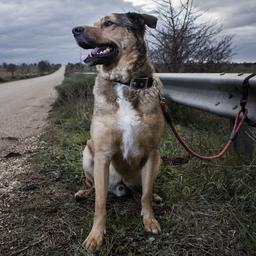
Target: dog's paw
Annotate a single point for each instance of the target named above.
(94, 241)
(151, 225)
(83, 194)
(157, 198)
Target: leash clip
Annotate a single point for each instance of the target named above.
(162, 98)
(245, 91)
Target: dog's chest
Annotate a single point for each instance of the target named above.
(130, 124)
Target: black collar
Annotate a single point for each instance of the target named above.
(138, 83)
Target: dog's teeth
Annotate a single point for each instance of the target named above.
(107, 50)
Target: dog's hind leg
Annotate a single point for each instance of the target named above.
(88, 172)
(115, 186)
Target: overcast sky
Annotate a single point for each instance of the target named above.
(32, 30)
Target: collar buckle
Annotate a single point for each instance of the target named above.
(139, 83)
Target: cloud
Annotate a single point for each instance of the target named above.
(238, 18)
(33, 30)
(233, 14)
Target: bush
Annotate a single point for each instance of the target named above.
(75, 87)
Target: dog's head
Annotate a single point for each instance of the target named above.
(113, 36)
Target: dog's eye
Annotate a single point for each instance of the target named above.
(108, 23)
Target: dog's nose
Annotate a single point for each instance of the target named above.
(77, 31)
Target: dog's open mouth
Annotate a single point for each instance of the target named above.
(103, 54)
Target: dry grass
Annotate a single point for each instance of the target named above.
(19, 74)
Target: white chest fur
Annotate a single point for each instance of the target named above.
(129, 123)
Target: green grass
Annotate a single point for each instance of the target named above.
(208, 208)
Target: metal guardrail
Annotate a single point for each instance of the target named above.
(216, 93)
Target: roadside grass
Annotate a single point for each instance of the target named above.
(208, 208)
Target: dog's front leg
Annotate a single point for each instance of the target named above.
(101, 175)
(148, 175)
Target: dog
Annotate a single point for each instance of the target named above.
(127, 122)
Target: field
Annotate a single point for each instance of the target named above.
(208, 208)
(24, 71)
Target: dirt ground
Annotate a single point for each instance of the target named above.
(31, 207)
(24, 107)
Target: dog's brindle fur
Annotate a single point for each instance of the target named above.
(127, 124)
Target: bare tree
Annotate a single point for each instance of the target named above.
(11, 68)
(183, 38)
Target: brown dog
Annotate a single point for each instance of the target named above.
(127, 121)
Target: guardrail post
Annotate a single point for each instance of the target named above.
(243, 144)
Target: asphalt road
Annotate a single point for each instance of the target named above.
(24, 107)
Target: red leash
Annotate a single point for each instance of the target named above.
(240, 119)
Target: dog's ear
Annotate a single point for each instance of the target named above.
(140, 20)
(149, 20)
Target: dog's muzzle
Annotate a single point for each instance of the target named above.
(101, 53)
(77, 31)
